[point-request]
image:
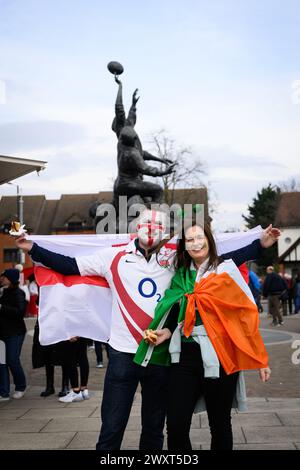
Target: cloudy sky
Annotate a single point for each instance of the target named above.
(222, 76)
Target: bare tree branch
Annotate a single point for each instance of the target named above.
(188, 170)
(290, 186)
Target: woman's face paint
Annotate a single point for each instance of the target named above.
(196, 243)
(151, 228)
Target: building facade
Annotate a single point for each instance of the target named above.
(288, 220)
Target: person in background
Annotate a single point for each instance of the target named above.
(48, 357)
(255, 287)
(284, 298)
(297, 293)
(99, 354)
(12, 333)
(23, 284)
(33, 290)
(289, 280)
(273, 288)
(76, 353)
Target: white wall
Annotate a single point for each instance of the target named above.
(288, 237)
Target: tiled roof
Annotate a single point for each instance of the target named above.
(43, 216)
(288, 213)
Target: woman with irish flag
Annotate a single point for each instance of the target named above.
(214, 338)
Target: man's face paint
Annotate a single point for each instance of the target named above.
(151, 228)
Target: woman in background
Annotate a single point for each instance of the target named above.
(12, 333)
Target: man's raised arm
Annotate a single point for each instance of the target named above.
(60, 263)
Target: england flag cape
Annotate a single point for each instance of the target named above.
(82, 305)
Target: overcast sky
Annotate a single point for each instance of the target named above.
(222, 76)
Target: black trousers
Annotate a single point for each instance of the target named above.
(76, 354)
(186, 385)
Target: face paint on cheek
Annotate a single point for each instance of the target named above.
(197, 245)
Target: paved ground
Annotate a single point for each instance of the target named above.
(271, 422)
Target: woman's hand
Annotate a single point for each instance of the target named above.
(74, 339)
(24, 244)
(269, 236)
(162, 335)
(265, 374)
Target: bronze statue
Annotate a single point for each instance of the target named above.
(131, 157)
(132, 166)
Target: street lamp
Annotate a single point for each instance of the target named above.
(20, 212)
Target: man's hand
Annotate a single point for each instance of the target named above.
(265, 374)
(269, 236)
(135, 98)
(24, 244)
(162, 335)
(167, 161)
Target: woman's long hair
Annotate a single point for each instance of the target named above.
(183, 259)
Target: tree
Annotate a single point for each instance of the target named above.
(189, 168)
(290, 186)
(262, 212)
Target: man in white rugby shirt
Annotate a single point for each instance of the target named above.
(138, 275)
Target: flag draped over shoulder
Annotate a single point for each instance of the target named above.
(81, 305)
(228, 312)
(231, 322)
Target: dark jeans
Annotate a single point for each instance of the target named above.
(121, 381)
(13, 346)
(187, 384)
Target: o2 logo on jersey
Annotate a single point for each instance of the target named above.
(148, 288)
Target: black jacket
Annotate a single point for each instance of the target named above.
(12, 311)
(273, 285)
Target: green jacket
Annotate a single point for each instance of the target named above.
(183, 282)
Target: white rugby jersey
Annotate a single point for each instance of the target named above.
(136, 286)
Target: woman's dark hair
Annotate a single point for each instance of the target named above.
(183, 259)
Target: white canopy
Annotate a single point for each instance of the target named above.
(13, 167)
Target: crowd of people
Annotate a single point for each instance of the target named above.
(197, 360)
(282, 291)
